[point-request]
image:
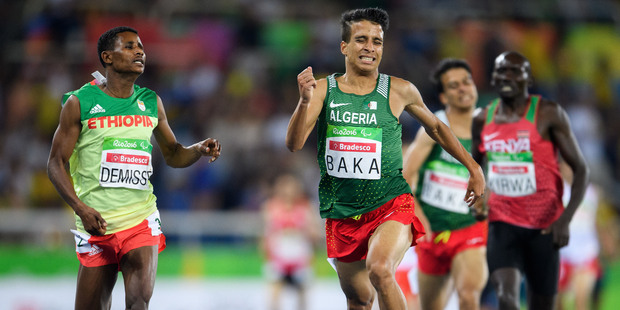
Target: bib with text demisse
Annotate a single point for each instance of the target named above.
(511, 174)
(353, 152)
(126, 163)
(445, 186)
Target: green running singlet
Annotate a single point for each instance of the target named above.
(359, 151)
(442, 185)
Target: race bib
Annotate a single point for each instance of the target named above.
(511, 174)
(445, 186)
(353, 152)
(291, 246)
(126, 163)
(154, 223)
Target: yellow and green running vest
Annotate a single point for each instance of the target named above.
(111, 163)
(359, 151)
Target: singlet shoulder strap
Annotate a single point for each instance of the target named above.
(532, 111)
(491, 110)
(331, 82)
(383, 86)
(331, 85)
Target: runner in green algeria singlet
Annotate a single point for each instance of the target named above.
(359, 151)
(111, 164)
(442, 183)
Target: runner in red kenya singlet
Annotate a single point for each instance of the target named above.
(519, 136)
(522, 166)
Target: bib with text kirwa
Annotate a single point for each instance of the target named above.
(522, 171)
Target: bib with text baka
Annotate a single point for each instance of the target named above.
(445, 186)
(126, 163)
(511, 174)
(353, 152)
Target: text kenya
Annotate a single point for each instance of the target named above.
(120, 121)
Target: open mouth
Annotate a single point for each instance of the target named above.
(367, 59)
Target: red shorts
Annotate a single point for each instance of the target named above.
(95, 251)
(402, 278)
(567, 271)
(347, 239)
(435, 257)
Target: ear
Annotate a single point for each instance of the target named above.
(343, 47)
(443, 99)
(106, 56)
(530, 80)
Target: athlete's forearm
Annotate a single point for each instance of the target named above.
(296, 133)
(60, 179)
(182, 156)
(449, 142)
(581, 177)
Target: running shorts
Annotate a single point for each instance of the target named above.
(95, 251)
(347, 239)
(531, 252)
(435, 257)
(568, 270)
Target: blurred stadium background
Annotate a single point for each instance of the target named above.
(227, 69)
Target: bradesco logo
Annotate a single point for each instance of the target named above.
(510, 169)
(448, 181)
(352, 146)
(127, 159)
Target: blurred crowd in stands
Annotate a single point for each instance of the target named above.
(227, 69)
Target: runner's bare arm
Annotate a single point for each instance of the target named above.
(561, 134)
(175, 154)
(480, 208)
(415, 155)
(311, 97)
(63, 143)
(476, 131)
(442, 134)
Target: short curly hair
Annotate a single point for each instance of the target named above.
(375, 15)
(106, 40)
(443, 66)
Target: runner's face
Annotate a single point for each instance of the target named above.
(128, 55)
(511, 75)
(365, 47)
(459, 90)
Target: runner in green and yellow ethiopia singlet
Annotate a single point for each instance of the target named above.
(359, 151)
(111, 163)
(442, 184)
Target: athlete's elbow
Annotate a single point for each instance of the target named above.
(170, 162)
(293, 147)
(433, 132)
(583, 172)
(54, 165)
(293, 144)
